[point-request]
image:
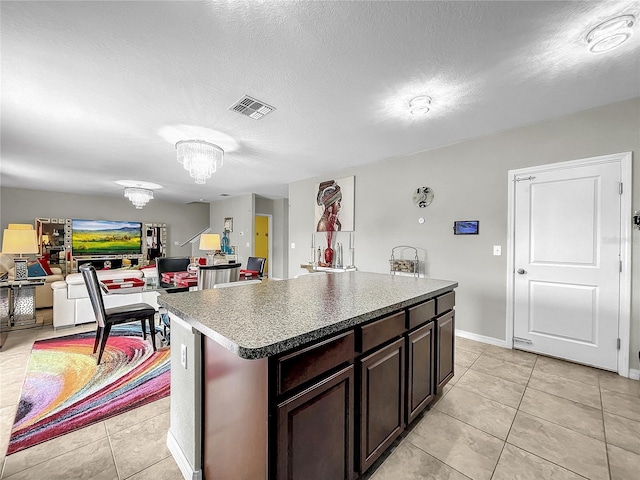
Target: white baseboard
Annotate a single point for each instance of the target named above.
(481, 338)
(183, 464)
(634, 374)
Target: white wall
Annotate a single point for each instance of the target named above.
(241, 209)
(183, 221)
(470, 183)
(280, 269)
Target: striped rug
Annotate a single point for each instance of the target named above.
(65, 390)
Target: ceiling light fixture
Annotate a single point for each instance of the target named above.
(138, 192)
(420, 105)
(610, 34)
(138, 196)
(200, 158)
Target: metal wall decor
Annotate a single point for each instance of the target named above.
(422, 197)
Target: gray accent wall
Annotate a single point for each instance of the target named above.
(243, 210)
(470, 182)
(183, 221)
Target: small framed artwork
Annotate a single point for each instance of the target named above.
(228, 224)
(466, 227)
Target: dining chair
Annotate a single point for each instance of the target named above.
(171, 264)
(107, 317)
(255, 267)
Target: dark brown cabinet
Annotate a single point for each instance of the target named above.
(343, 401)
(382, 401)
(420, 385)
(315, 431)
(445, 332)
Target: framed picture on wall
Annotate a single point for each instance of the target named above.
(228, 224)
(335, 205)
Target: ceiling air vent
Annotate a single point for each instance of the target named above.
(251, 107)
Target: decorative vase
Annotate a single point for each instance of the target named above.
(328, 256)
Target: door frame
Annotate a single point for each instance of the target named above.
(624, 308)
(269, 239)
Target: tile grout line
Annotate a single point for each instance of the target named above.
(504, 444)
(113, 454)
(437, 459)
(604, 429)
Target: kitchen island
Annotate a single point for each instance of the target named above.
(308, 378)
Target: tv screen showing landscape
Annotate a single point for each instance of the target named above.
(92, 237)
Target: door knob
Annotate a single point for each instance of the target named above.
(522, 271)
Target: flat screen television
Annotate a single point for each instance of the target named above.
(95, 237)
(466, 227)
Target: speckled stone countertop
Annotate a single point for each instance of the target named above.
(261, 320)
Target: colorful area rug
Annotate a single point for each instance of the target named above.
(65, 390)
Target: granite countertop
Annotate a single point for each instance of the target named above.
(261, 320)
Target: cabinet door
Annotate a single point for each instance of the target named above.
(420, 385)
(315, 431)
(381, 401)
(445, 326)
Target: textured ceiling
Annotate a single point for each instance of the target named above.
(94, 92)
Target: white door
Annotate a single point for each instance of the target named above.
(566, 282)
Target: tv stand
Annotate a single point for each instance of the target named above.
(102, 262)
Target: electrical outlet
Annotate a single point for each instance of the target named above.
(183, 355)
(293, 245)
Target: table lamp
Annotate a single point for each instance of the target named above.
(210, 242)
(19, 239)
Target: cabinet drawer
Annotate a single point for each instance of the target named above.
(299, 367)
(421, 314)
(382, 330)
(445, 302)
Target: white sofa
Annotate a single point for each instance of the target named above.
(71, 304)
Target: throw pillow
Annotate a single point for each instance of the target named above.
(45, 266)
(36, 270)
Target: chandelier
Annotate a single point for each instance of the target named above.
(200, 158)
(138, 196)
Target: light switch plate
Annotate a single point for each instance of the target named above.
(497, 250)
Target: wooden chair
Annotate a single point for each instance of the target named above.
(108, 317)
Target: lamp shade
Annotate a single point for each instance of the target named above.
(20, 226)
(18, 241)
(209, 242)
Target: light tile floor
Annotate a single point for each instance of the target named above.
(509, 414)
(129, 446)
(505, 415)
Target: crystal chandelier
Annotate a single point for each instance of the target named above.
(200, 158)
(138, 196)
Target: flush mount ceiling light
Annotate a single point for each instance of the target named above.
(420, 105)
(139, 193)
(610, 34)
(200, 158)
